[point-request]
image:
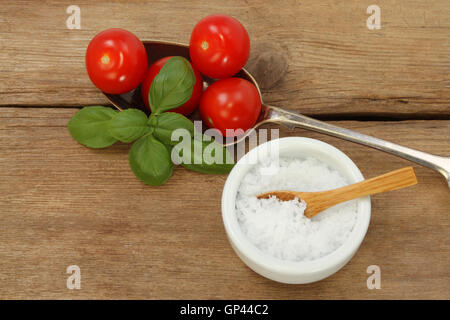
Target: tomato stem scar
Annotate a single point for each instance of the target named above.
(205, 45)
(105, 59)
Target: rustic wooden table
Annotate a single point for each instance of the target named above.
(62, 204)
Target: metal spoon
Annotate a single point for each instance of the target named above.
(291, 119)
(316, 202)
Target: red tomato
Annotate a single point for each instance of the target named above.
(232, 103)
(186, 108)
(116, 61)
(219, 46)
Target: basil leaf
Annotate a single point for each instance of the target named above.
(89, 126)
(203, 158)
(150, 161)
(172, 86)
(128, 125)
(168, 122)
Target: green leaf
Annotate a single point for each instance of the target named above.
(89, 126)
(201, 156)
(172, 86)
(168, 122)
(128, 125)
(150, 161)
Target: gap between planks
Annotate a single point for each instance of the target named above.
(376, 116)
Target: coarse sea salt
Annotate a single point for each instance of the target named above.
(279, 228)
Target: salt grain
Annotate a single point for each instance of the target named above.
(279, 228)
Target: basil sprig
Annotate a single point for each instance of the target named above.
(89, 126)
(150, 160)
(151, 155)
(172, 86)
(167, 123)
(128, 125)
(201, 159)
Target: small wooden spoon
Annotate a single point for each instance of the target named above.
(317, 202)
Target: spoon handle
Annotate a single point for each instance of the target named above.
(393, 180)
(292, 119)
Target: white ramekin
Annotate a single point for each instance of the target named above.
(289, 271)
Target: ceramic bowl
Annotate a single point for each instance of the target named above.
(290, 271)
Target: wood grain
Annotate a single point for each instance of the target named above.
(64, 204)
(333, 63)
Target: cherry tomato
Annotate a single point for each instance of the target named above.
(186, 108)
(219, 46)
(232, 103)
(116, 61)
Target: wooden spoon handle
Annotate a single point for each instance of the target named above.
(393, 180)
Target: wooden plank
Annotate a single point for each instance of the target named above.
(333, 63)
(64, 204)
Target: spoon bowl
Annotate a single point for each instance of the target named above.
(291, 119)
(155, 51)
